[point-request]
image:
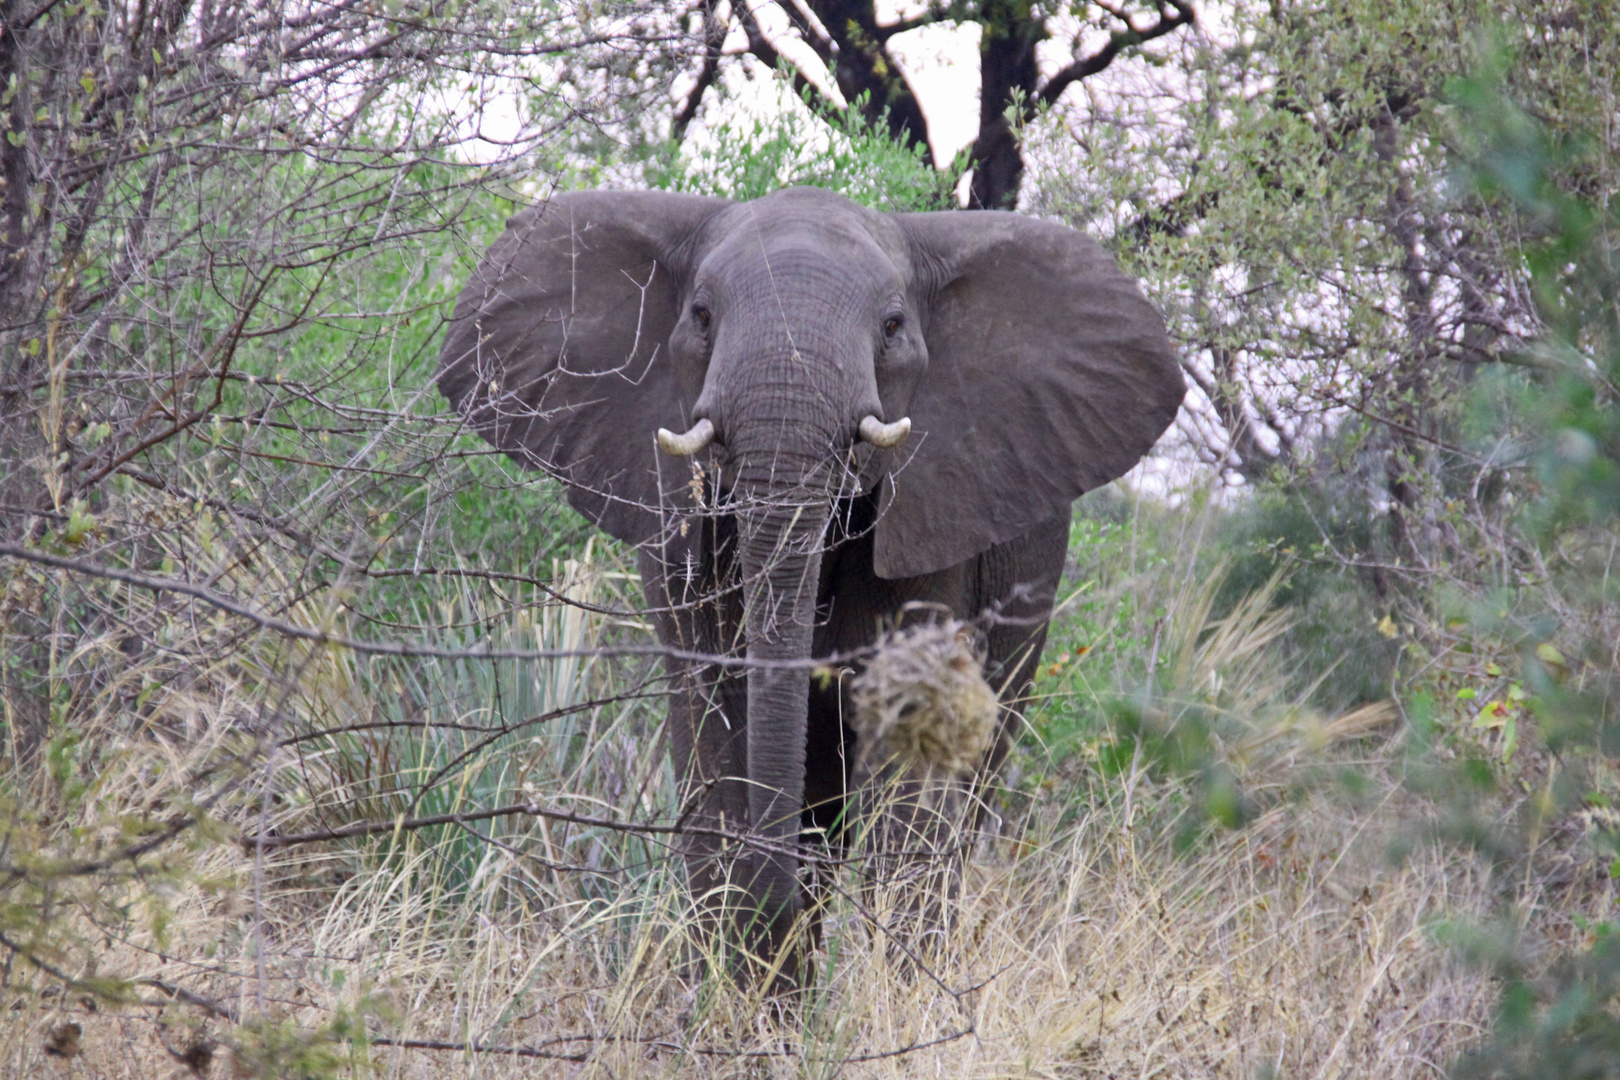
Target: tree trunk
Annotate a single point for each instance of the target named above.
(1008, 80)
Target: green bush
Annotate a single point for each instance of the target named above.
(1556, 1018)
(839, 150)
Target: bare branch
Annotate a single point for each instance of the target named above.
(316, 636)
(1172, 16)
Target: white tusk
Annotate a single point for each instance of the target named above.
(884, 435)
(688, 444)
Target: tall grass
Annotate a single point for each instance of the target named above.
(1110, 925)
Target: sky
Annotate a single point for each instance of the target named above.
(940, 61)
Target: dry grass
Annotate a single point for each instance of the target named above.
(1099, 951)
(1093, 940)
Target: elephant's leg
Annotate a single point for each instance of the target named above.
(708, 747)
(915, 827)
(930, 822)
(904, 824)
(1016, 588)
(707, 734)
(918, 828)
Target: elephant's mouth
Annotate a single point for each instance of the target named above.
(701, 434)
(738, 482)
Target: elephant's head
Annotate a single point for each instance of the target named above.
(980, 369)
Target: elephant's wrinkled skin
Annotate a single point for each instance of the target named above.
(780, 332)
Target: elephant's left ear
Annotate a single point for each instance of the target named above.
(1048, 375)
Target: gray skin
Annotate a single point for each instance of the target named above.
(1030, 368)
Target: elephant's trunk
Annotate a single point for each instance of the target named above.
(780, 566)
(782, 520)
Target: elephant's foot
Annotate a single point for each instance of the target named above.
(778, 941)
(731, 935)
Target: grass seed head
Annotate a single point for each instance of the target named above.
(923, 700)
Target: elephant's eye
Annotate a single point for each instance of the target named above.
(701, 314)
(891, 325)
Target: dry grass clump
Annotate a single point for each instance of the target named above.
(923, 702)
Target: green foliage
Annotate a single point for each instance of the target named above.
(1564, 1029)
(1101, 639)
(1564, 397)
(373, 349)
(1571, 258)
(1193, 644)
(1564, 402)
(1301, 534)
(1337, 296)
(837, 149)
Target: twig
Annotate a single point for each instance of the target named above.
(180, 993)
(396, 648)
(798, 851)
(541, 1050)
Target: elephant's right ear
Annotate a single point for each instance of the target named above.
(557, 352)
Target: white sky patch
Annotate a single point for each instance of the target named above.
(942, 64)
(940, 61)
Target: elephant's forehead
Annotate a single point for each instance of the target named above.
(805, 227)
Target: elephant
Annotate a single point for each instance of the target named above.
(807, 415)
